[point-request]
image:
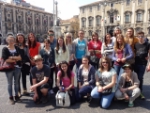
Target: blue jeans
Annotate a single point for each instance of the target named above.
(16, 74)
(140, 70)
(105, 99)
(85, 90)
(118, 69)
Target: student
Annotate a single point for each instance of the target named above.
(24, 51)
(48, 56)
(117, 31)
(107, 46)
(128, 85)
(40, 75)
(65, 80)
(34, 49)
(11, 54)
(80, 47)
(71, 48)
(85, 78)
(52, 39)
(142, 51)
(94, 48)
(122, 53)
(105, 79)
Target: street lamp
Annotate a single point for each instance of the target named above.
(104, 6)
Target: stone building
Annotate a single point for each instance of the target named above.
(104, 15)
(24, 18)
(70, 25)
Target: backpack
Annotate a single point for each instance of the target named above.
(63, 99)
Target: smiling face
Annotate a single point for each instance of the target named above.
(85, 61)
(31, 38)
(10, 40)
(20, 39)
(81, 34)
(129, 33)
(64, 67)
(60, 42)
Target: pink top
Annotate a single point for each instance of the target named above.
(65, 80)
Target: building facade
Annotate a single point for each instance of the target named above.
(104, 15)
(18, 18)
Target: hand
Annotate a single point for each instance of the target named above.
(35, 97)
(126, 96)
(100, 89)
(33, 87)
(66, 89)
(123, 90)
(148, 68)
(118, 60)
(123, 60)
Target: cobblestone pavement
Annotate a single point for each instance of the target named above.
(27, 105)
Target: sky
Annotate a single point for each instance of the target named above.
(66, 8)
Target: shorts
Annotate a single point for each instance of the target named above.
(44, 86)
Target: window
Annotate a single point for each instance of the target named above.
(139, 1)
(91, 9)
(83, 10)
(90, 21)
(127, 18)
(149, 31)
(90, 33)
(128, 2)
(111, 5)
(112, 18)
(139, 17)
(98, 22)
(98, 7)
(83, 22)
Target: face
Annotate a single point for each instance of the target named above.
(64, 67)
(117, 31)
(129, 32)
(108, 37)
(68, 37)
(127, 70)
(119, 40)
(31, 37)
(20, 39)
(46, 44)
(60, 41)
(10, 40)
(38, 63)
(81, 34)
(95, 37)
(85, 61)
(105, 63)
(141, 37)
(51, 35)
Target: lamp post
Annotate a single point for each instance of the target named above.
(104, 6)
(54, 15)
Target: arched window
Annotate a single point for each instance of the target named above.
(90, 33)
(90, 21)
(128, 15)
(128, 2)
(83, 21)
(98, 20)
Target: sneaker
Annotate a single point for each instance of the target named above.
(11, 100)
(17, 99)
(26, 93)
(142, 96)
(89, 99)
(131, 104)
(19, 94)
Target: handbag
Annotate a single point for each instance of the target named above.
(4, 66)
(94, 58)
(106, 91)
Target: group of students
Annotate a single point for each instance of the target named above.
(117, 69)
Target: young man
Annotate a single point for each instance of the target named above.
(40, 77)
(142, 51)
(52, 39)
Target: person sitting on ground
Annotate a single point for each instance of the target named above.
(105, 83)
(40, 75)
(128, 85)
(65, 80)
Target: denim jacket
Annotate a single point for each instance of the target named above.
(91, 75)
(127, 53)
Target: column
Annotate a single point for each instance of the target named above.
(145, 18)
(24, 21)
(133, 20)
(94, 20)
(33, 22)
(48, 21)
(87, 20)
(14, 20)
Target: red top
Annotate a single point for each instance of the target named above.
(95, 45)
(34, 51)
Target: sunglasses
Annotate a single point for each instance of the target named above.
(104, 62)
(51, 34)
(140, 36)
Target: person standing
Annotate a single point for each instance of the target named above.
(40, 76)
(48, 56)
(25, 63)
(80, 47)
(142, 52)
(71, 48)
(117, 31)
(11, 54)
(53, 40)
(94, 48)
(34, 49)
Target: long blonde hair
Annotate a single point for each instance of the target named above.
(117, 45)
(101, 68)
(68, 34)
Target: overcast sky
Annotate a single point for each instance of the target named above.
(66, 8)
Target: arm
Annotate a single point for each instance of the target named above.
(79, 78)
(56, 56)
(129, 51)
(114, 58)
(91, 82)
(72, 82)
(58, 79)
(67, 55)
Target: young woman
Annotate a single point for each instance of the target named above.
(24, 51)
(94, 47)
(85, 78)
(34, 49)
(65, 80)
(11, 54)
(48, 56)
(128, 85)
(71, 48)
(117, 31)
(105, 80)
(107, 46)
(122, 52)
(61, 52)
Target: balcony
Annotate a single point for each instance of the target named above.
(90, 27)
(139, 23)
